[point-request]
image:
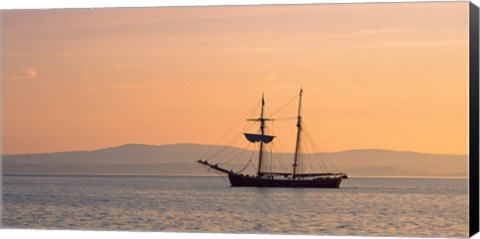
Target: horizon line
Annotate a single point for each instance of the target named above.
(212, 175)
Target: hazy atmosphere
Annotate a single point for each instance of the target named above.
(382, 76)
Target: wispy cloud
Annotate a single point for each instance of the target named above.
(358, 34)
(87, 73)
(269, 78)
(31, 73)
(118, 67)
(28, 73)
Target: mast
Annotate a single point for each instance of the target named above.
(262, 132)
(299, 129)
(262, 137)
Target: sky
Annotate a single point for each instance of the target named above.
(386, 76)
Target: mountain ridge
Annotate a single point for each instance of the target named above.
(209, 145)
(181, 159)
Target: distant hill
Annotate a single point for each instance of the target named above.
(180, 159)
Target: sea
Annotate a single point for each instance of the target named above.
(415, 207)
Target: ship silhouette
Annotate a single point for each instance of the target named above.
(265, 178)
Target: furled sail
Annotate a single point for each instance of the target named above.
(253, 138)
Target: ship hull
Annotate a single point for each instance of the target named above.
(237, 180)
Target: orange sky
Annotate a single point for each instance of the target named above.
(389, 76)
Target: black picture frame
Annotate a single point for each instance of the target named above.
(474, 120)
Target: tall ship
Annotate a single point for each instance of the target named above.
(264, 175)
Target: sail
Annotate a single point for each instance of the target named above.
(253, 138)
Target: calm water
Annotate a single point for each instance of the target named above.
(373, 207)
